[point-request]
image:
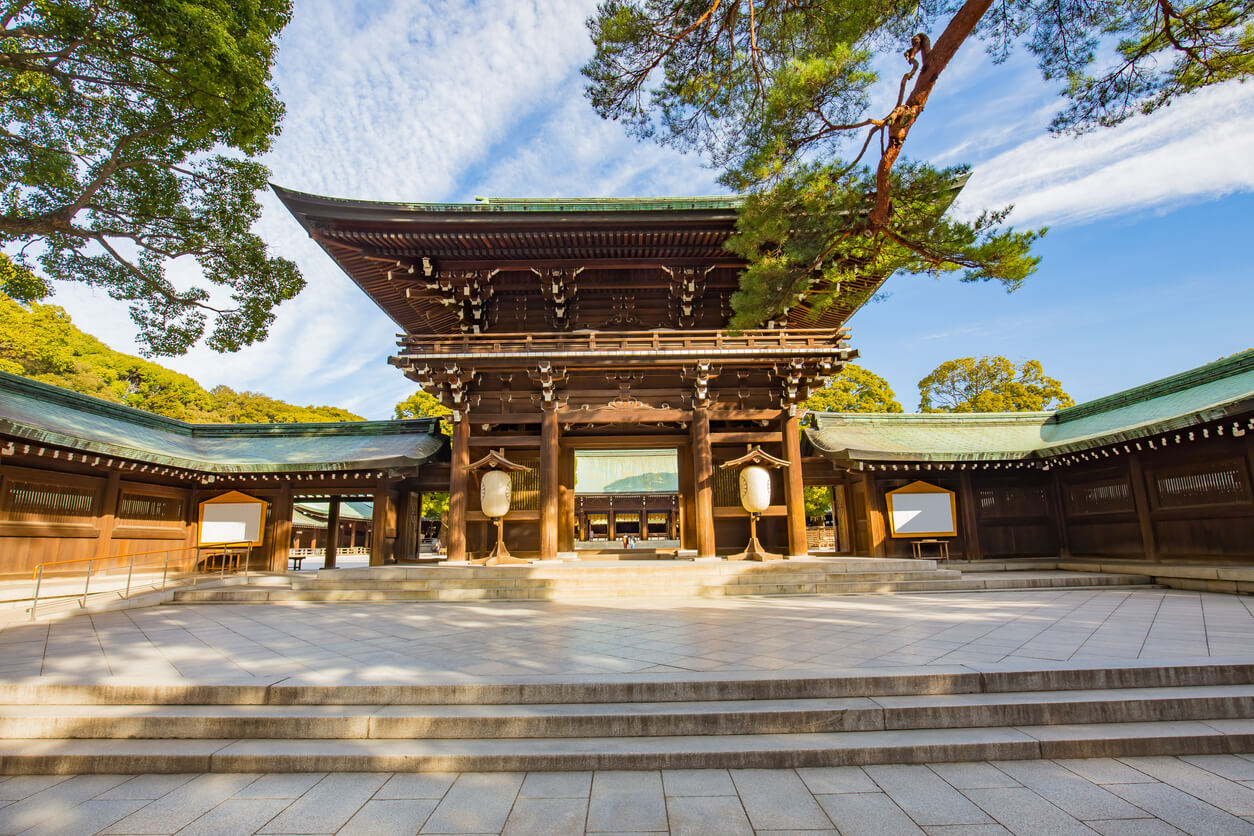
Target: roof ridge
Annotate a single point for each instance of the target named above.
(79, 400)
(1225, 367)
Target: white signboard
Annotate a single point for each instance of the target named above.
(921, 510)
(231, 522)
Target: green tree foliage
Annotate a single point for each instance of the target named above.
(778, 93)
(130, 129)
(40, 342)
(854, 389)
(434, 505)
(990, 384)
(422, 405)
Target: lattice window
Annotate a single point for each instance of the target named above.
(1013, 501)
(150, 510)
(1206, 483)
(48, 502)
(1109, 496)
(526, 489)
(727, 487)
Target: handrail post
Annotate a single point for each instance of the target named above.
(165, 570)
(130, 570)
(86, 583)
(39, 579)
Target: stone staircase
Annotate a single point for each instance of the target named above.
(625, 579)
(628, 722)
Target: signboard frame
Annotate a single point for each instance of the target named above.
(912, 495)
(246, 518)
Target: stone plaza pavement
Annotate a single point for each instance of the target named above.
(1206, 795)
(384, 642)
(407, 642)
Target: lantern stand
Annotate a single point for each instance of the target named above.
(755, 497)
(493, 471)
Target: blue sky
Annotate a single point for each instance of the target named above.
(1146, 268)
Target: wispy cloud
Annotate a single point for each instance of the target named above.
(1199, 148)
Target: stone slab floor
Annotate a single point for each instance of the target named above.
(337, 642)
(1202, 795)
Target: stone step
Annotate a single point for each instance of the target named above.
(633, 719)
(916, 683)
(576, 581)
(664, 571)
(59, 756)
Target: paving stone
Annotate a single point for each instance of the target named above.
(147, 787)
(1070, 792)
(707, 815)
(556, 785)
(1232, 767)
(867, 814)
(550, 816)
(924, 796)
(182, 806)
(631, 801)
(329, 804)
(834, 779)
(417, 785)
(1209, 787)
(22, 786)
(476, 803)
(1025, 813)
(389, 817)
(697, 782)
(778, 800)
(966, 830)
(85, 819)
(49, 802)
(236, 815)
(1181, 809)
(281, 785)
(972, 775)
(1134, 827)
(1104, 771)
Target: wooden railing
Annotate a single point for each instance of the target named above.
(694, 342)
(229, 554)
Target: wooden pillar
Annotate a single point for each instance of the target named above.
(566, 501)
(550, 452)
(794, 488)
(703, 481)
(1143, 514)
(333, 533)
(382, 523)
(686, 511)
(108, 513)
(877, 524)
(970, 520)
(415, 532)
(1060, 514)
(457, 486)
(282, 542)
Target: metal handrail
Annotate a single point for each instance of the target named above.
(37, 574)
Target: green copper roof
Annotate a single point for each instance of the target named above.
(1207, 393)
(728, 203)
(48, 415)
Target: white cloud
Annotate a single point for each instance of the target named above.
(1199, 148)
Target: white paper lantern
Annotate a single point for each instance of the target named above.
(755, 489)
(494, 493)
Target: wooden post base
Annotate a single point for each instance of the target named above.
(754, 550)
(500, 555)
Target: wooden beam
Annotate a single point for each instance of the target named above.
(763, 437)
(108, 513)
(333, 533)
(970, 518)
(282, 545)
(1144, 514)
(794, 488)
(458, 483)
(703, 479)
(550, 451)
